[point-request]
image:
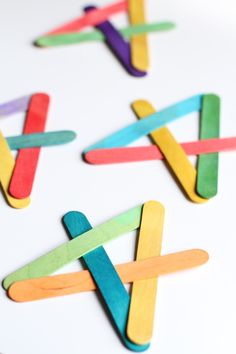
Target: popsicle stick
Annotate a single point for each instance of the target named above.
(143, 295)
(139, 45)
(174, 154)
(15, 106)
(74, 249)
(145, 126)
(72, 283)
(26, 161)
(40, 139)
(152, 152)
(207, 178)
(96, 16)
(117, 44)
(109, 284)
(7, 164)
(96, 35)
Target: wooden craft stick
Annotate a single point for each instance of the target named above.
(96, 16)
(96, 35)
(40, 139)
(145, 126)
(76, 248)
(72, 283)
(27, 159)
(7, 164)
(207, 177)
(143, 295)
(15, 106)
(139, 45)
(117, 44)
(173, 152)
(109, 284)
(152, 152)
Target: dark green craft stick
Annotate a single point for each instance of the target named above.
(207, 171)
(40, 139)
(78, 37)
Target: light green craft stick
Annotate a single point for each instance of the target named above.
(40, 139)
(78, 37)
(77, 247)
(207, 176)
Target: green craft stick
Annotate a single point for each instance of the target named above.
(207, 176)
(78, 37)
(77, 247)
(40, 139)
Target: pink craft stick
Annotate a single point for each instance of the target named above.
(92, 18)
(27, 159)
(145, 153)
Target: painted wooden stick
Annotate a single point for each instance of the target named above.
(109, 284)
(7, 164)
(152, 152)
(117, 44)
(173, 152)
(72, 283)
(139, 45)
(92, 18)
(143, 295)
(27, 159)
(207, 167)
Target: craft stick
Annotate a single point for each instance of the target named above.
(139, 45)
(109, 284)
(7, 164)
(143, 127)
(207, 178)
(174, 154)
(118, 45)
(96, 35)
(72, 283)
(143, 295)
(74, 249)
(14, 106)
(40, 139)
(152, 152)
(27, 159)
(91, 19)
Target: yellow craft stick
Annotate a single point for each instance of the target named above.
(139, 45)
(7, 164)
(72, 283)
(173, 153)
(143, 296)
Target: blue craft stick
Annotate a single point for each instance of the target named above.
(145, 126)
(40, 139)
(105, 276)
(14, 106)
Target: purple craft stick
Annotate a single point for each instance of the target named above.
(18, 105)
(117, 44)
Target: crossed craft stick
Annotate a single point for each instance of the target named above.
(133, 315)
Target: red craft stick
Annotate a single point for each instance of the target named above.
(144, 153)
(92, 18)
(27, 159)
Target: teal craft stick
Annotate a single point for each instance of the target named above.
(145, 126)
(40, 139)
(78, 247)
(207, 177)
(114, 294)
(80, 37)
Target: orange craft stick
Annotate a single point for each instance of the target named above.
(71, 283)
(92, 18)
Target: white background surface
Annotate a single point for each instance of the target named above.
(91, 94)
